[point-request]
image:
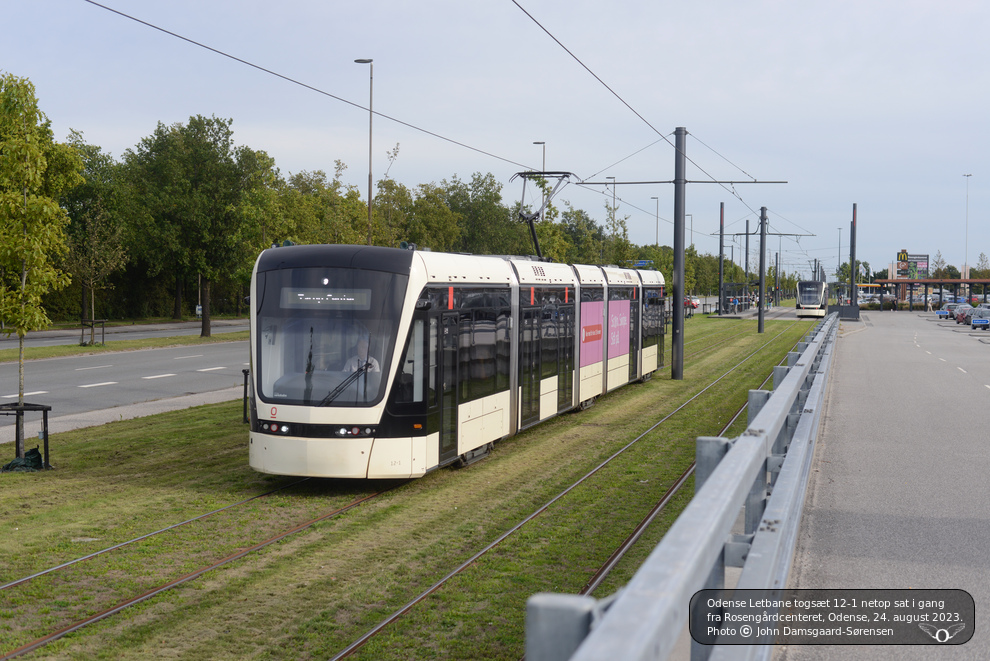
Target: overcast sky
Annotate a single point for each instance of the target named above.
(881, 103)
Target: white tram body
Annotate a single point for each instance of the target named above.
(376, 363)
(811, 299)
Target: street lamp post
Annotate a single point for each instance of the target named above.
(371, 115)
(966, 259)
(838, 271)
(658, 220)
(691, 216)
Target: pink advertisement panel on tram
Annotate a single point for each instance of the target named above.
(618, 328)
(592, 333)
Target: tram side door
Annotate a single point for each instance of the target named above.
(530, 366)
(449, 342)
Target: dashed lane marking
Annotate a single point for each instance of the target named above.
(27, 394)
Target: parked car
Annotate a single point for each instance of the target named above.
(979, 318)
(690, 302)
(947, 310)
(963, 312)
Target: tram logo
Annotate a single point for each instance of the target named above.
(591, 333)
(941, 635)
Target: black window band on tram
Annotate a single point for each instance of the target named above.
(372, 258)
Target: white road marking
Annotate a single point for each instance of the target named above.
(157, 376)
(211, 369)
(27, 394)
(96, 367)
(199, 355)
(97, 385)
(962, 370)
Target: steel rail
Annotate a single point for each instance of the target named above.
(41, 642)
(145, 536)
(378, 628)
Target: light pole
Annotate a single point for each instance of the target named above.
(371, 115)
(658, 220)
(688, 215)
(966, 259)
(838, 270)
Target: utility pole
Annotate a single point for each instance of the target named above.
(721, 258)
(677, 329)
(763, 267)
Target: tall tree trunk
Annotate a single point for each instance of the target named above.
(177, 310)
(205, 292)
(92, 316)
(82, 316)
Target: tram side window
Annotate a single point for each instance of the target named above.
(652, 317)
(479, 353)
(503, 350)
(412, 375)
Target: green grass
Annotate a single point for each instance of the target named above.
(315, 592)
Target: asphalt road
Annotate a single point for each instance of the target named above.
(133, 332)
(899, 496)
(86, 390)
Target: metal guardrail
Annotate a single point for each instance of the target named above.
(765, 472)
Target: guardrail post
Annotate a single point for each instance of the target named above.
(715, 581)
(708, 451)
(779, 373)
(757, 398)
(757, 498)
(556, 624)
(792, 358)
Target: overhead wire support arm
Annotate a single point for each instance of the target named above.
(704, 181)
(531, 218)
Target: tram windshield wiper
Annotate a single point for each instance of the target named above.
(345, 383)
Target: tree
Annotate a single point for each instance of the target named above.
(431, 222)
(34, 170)
(938, 266)
(584, 236)
(488, 226)
(191, 181)
(95, 234)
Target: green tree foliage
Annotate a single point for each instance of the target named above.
(96, 210)
(431, 222)
(34, 171)
(192, 183)
(489, 227)
(188, 202)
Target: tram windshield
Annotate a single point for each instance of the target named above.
(810, 293)
(325, 336)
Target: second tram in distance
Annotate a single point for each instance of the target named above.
(371, 362)
(812, 299)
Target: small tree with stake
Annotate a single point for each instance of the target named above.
(34, 169)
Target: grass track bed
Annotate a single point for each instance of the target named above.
(312, 594)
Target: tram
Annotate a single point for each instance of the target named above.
(375, 363)
(812, 299)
